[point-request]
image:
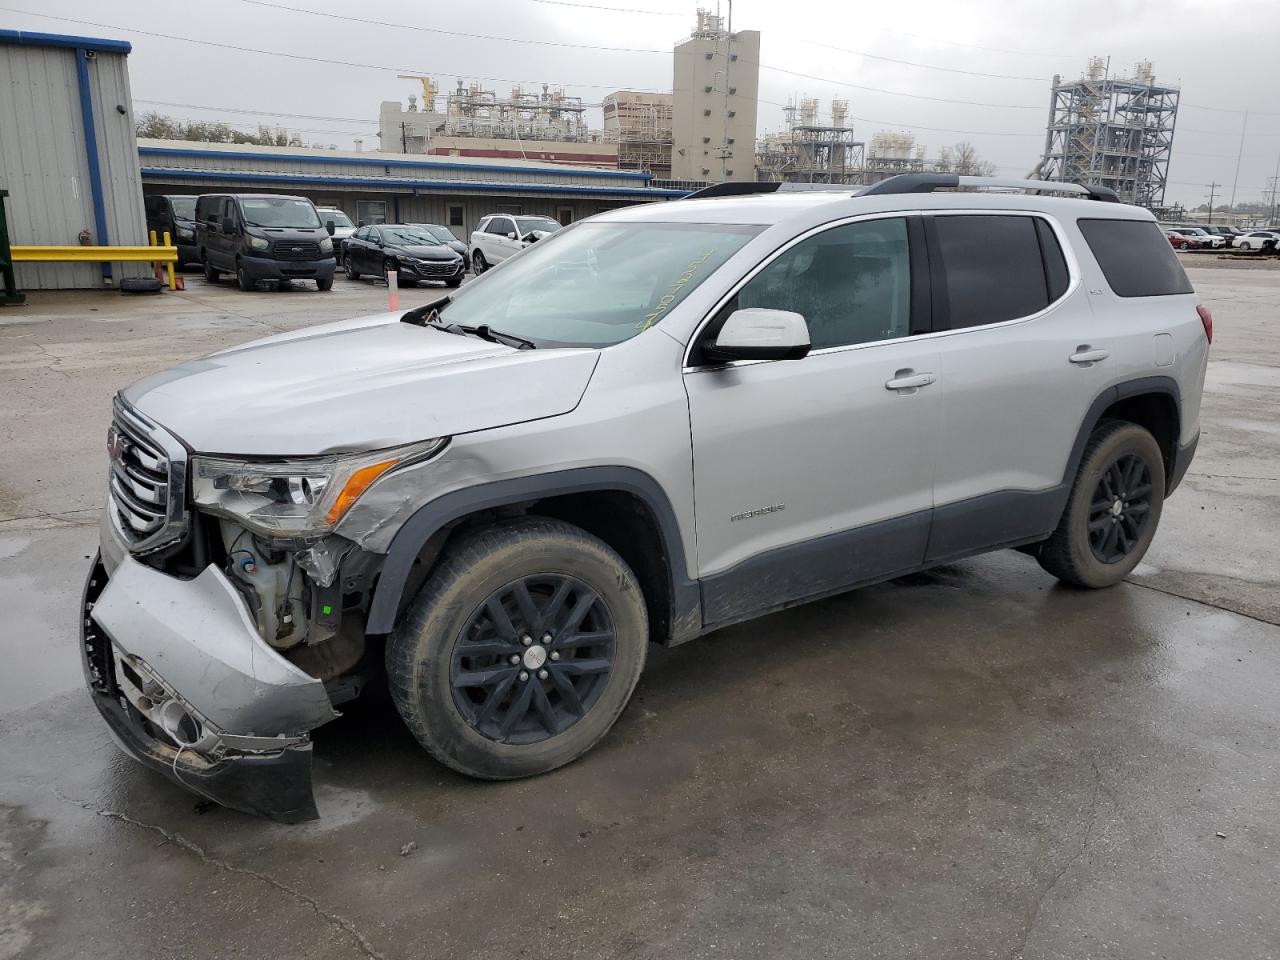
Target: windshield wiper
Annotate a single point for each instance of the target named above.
(485, 332)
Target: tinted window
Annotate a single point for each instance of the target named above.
(992, 267)
(1135, 258)
(1055, 264)
(500, 226)
(852, 284)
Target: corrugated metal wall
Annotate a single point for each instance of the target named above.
(43, 162)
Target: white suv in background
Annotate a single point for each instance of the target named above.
(500, 235)
(488, 502)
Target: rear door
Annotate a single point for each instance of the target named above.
(813, 475)
(1020, 362)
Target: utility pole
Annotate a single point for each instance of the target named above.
(1213, 189)
(724, 139)
(1274, 183)
(1239, 153)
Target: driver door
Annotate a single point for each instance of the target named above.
(814, 475)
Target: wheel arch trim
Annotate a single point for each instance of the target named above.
(1114, 394)
(686, 613)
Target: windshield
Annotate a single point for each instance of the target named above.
(529, 224)
(184, 208)
(339, 218)
(279, 212)
(409, 236)
(599, 283)
(440, 233)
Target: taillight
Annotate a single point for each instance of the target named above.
(1206, 318)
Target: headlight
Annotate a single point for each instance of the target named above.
(257, 243)
(185, 233)
(296, 498)
(326, 245)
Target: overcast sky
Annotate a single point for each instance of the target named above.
(1222, 53)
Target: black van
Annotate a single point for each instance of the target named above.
(260, 236)
(176, 216)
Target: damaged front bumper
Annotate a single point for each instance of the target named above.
(189, 689)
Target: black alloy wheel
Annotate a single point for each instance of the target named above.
(533, 659)
(1119, 508)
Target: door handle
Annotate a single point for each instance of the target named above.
(907, 380)
(1085, 355)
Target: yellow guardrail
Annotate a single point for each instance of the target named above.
(36, 254)
(156, 254)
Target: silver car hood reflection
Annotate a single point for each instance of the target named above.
(360, 384)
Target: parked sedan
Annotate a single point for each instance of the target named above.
(1263, 240)
(1206, 237)
(413, 253)
(444, 235)
(1228, 233)
(1181, 241)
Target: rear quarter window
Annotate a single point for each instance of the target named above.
(1135, 257)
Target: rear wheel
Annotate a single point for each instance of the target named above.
(1245, 245)
(1113, 510)
(521, 651)
(478, 263)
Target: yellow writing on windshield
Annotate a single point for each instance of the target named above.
(665, 303)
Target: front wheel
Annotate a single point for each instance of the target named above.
(210, 275)
(242, 277)
(349, 270)
(521, 650)
(453, 282)
(1113, 510)
(478, 263)
(324, 284)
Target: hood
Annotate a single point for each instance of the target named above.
(360, 384)
(342, 233)
(425, 251)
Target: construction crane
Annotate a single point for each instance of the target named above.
(429, 89)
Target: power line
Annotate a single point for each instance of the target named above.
(450, 33)
(300, 56)
(596, 6)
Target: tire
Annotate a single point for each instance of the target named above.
(210, 275)
(324, 284)
(453, 282)
(478, 263)
(427, 652)
(1182, 245)
(242, 277)
(348, 269)
(390, 266)
(1245, 245)
(1069, 554)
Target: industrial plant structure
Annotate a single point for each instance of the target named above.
(640, 124)
(1112, 131)
(812, 151)
(715, 94)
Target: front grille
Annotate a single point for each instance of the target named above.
(296, 250)
(436, 268)
(147, 481)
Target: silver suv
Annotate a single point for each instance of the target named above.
(660, 421)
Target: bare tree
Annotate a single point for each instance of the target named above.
(965, 161)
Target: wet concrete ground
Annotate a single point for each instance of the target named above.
(969, 762)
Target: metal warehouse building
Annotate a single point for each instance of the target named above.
(68, 154)
(396, 188)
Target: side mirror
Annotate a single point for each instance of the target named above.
(328, 225)
(228, 225)
(512, 236)
(759, 334)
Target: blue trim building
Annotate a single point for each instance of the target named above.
(68, 155)
(373, 187)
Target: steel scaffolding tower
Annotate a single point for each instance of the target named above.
(1112, 131)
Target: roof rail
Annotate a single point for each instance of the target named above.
(929, 182)
(744, 187)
